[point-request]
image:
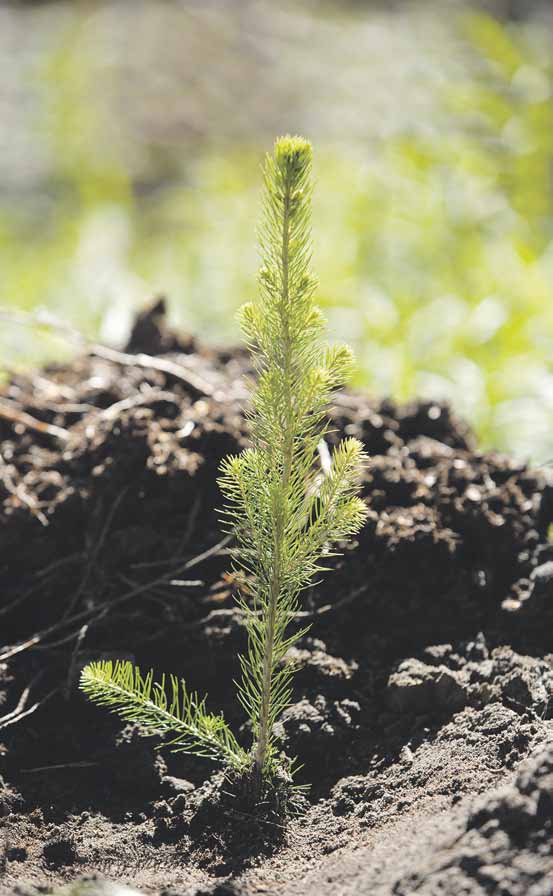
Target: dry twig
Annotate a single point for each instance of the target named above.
(10, 411)
(19, 713)
(195, 383)
(91, 613)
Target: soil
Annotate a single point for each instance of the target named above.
(423, 706)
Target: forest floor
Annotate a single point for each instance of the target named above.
(423, 706)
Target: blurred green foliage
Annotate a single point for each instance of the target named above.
(435, 254)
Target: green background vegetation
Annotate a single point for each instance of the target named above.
(433, 205)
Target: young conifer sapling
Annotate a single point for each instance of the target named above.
(285, 512)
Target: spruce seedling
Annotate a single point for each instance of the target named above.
(284, 510)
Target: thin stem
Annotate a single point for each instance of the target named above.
(262, 746)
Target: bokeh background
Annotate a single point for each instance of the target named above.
(131, 135)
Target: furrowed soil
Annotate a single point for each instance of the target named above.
(422, 710)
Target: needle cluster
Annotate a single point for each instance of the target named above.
(285, 513)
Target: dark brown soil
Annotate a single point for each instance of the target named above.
(422, 710)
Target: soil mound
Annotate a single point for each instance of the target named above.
(422, 707)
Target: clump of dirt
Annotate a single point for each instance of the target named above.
(425, 681)
(448, 679)
(505, 844)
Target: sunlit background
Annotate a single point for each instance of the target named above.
(130, 142)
